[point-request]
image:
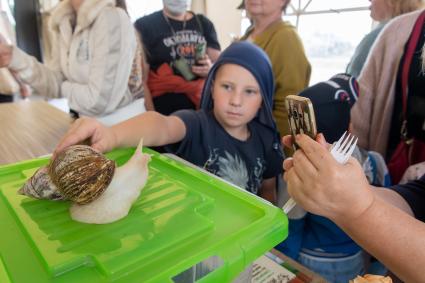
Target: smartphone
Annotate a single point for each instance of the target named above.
(300, 117)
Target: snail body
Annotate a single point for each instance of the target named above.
(100, 191)
(115, 202)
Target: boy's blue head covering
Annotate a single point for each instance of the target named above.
(255, 60)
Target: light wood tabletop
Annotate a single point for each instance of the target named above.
(29, 129)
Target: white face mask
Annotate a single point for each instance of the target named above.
(176, 7)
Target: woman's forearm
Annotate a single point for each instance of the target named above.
(45, 81)
(392, 236)
(392, 197)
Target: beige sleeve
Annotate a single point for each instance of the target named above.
(43, 80)
(361, 113)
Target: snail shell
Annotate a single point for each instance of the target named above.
(40, 186)
(81, 174)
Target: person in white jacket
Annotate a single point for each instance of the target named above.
(9, 84)
(92, 58)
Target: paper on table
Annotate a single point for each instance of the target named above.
(265, 270)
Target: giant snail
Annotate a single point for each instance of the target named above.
(100, 191)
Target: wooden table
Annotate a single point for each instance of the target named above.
(29, 129)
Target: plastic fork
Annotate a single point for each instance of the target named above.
(344, 147)
(341, 151)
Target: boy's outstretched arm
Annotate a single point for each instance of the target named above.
(268, 190)
(155, 129)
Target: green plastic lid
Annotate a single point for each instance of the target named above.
(182, 217)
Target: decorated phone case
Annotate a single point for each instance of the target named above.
(300, 117)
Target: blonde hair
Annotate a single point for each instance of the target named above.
(400, 7)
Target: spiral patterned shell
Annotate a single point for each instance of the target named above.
(40, 186)
(81, 174)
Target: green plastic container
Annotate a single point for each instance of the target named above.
(183, 217)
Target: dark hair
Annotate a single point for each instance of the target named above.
(121, 4)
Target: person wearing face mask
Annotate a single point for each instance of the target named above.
(381, 11)
(92, 58)
(180, 47)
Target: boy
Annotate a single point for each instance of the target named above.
(233, 135)
(313, 240)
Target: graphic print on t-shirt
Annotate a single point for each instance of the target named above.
(233, 169)
(183, 44)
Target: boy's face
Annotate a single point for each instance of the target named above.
(237, 98)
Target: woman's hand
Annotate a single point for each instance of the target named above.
(24, 90)
(5, 53)
(203, 66)
(101, 137)
(148, 98)
(323, 186)
(287, 142)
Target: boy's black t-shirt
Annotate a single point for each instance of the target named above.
(414, 194)
(243, 163)
(163, 46)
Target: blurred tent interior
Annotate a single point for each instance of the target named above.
(112, 60)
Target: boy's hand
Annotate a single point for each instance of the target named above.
(203, 67)
(102, 138)
(324, 187)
